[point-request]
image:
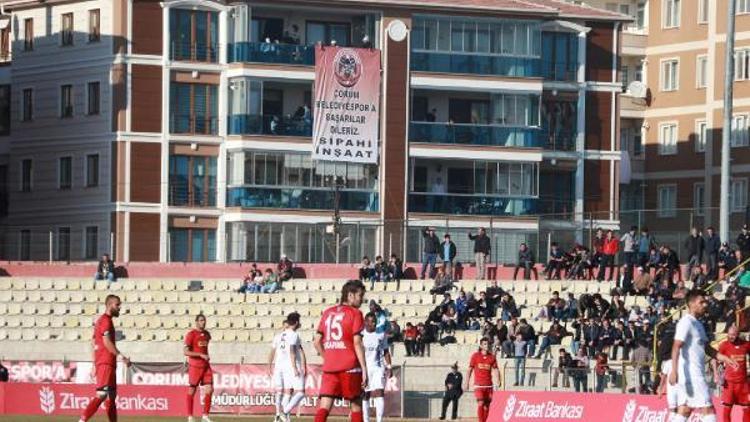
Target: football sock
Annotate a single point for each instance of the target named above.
(677, 418)
(278, 403)
(321, 415)
(92, 408)
(206, 403)
(189, 402)
(480, 412)
(111, 410)
(379, 408)
(356, 416)
(726, 412)
(284, 402)
(294, 401)
(708, 418)
(745, 414)
(366, 410)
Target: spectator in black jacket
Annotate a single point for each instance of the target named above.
(713, 244)
(669, 264)
(429, 251)
(564, 361)
(743, 242)
(106, 269)
(447, 252)
(453, 391)
(482, 249)
(525, 261)
(694, 245)
(494, 294)
(727, 258)
(591, 333)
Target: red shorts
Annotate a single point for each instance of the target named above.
(483, 393)
(200, 375)
(735, 393)
(346, 385)
(106, 378)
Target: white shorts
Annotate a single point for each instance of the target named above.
(284, 379)
(694, 393)
(375, 378)
(672, 390)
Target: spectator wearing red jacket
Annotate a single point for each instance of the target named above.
(610, 247)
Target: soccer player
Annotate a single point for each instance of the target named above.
(199, 369)
(339, 342)
(105, 361)
(735, 389)
(376, 354)
(689, 351)
(665, 355)
(483, 363)
(290, 368)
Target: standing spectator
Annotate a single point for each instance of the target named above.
(628, 246)
(645, 243)
(618, 341)
(482, 249)
(453, 391)
(713, 244)
(447, 253)
(578, 328)
(642, 357)
(694, 245)
(4, 376)
(525, 261)
(431, 115)
(743, 242)
(284, 269)
(429, 251)
(555, 263)
(579, 371)
(591, 336)
(424, 338)
(597, 244)
(609, 250)
(564, 361)
(528, 335)
(601, 368)
(106, 269)
(519, 356)
(410, 339)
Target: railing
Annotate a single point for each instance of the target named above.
(193, 125)
(301, 198)
(468, 204)
(481, 64)
(681, 308)
(474, 134)
(254, 124)
(563, 71)
(183, 197)
(194, 52)
(263, 52)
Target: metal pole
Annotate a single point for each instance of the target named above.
(726, 131)
(112, 245)
(51, 235)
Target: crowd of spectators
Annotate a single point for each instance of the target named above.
(269, 280)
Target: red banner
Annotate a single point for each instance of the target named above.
(523, 406)
(72, 399)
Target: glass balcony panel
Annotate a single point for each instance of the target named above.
(253, 124)
(263, 52)
(480, 64)
(475, 134)
(300, 198)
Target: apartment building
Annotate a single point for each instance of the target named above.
(180, 130)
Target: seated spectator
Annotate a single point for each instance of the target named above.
(618, 340)
(625, 280)
(654, 261)
(394, 334)
(284, 269)
(449, 321)
(607, 337)
(642, 282)
(525, 261)
(552, 337)
(571, 307)
(508, 308)
(395, 268)
(581, 265)
(366, 271)
(474, 325)
(670, 264)
(443, 282)
(483, 308)
(271, 282)
(494, 293)
(555, 263)
(410, 339)
(727, 259)
(555, 308)
(501, 332)
(253, 280)
(528, 335)
(424, 338)
(462, 309)
(106, 269)
(679, 293)
(379, 272)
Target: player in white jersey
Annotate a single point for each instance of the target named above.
(378, 358)
(289, 368)
(689, 352)
(666, 387)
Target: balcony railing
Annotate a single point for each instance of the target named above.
(254, 124)
(301, 198)
(193, 125)
(263, 52)
(194, 52)
(561, 141)
(182, 196)
(474, 134)
(564, 71)
(470, 204)
(483, 64)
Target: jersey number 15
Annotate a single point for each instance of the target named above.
(334, 331)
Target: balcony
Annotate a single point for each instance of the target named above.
(182, 196)
(194, 52)
(298, 198)
(484, 64)
(193, 125)
(474, 134)
(468, 204)
(265, 52)
(249, 124)
(560, 71)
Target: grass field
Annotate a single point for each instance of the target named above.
(164, 419)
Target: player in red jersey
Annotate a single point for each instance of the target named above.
(105, 361)
(482, 364)
(735, 389)
(199, 370)
(339, 342)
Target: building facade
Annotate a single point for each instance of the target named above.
(181, 130)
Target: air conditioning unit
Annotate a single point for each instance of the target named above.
(637, 89)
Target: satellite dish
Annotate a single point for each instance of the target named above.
(637, 89)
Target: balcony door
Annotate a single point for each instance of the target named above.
(469, 111)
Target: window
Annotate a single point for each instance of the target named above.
(624, 76)
(738, 195)
(93, 98)
(638, 75)
(743, 6)
(24, 250)
(193, 108)
(66, 101)
(612, 7)
(92, 170)
(63, 244)
(670, 75)
(739, 136)
(742, 65)
(192, 181)
(192, 245)
(668, 139)
(640, 15)
(26, 175)
(194, 35)
(667, 200)
(671, 13)
(625, 9)
(91, 242)
(699, 198)
(701, 72)
(700, 135)
(65, 173)
(326, 32)
(4, 109)
(28, 34)
(66, 34)
(703, 10)
(28, 105)
(94, 29)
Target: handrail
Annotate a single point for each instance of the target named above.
(681, 308)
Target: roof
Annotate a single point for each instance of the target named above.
(573, 10)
